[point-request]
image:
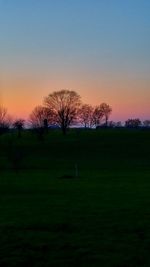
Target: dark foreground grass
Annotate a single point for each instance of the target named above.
(100, 218)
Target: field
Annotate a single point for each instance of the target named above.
(77, 200)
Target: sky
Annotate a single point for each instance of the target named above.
(99, 48)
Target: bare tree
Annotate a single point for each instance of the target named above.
(97, 116)
(146, 123)
(118, 124)
(19, 125)
(41, 116)
(111, 124)
(106, 111)
(3, 116)
(65, 105)
(86, 115)
(132, 123)
(5, 120)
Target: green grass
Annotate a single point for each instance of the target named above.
(101, 218)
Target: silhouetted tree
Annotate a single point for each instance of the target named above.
(146, 123)
(65, 105)
(111, 124)
(97, 116)
(3, 113)
(46, 125)
(5, 120)
(118, 124)
(41, 117)
(19, 125)
(86, 115)
(106, 111)
(133, 123)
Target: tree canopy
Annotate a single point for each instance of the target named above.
(64, 104)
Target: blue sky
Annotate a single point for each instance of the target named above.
(98, 44)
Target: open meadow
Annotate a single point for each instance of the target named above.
(77, 200)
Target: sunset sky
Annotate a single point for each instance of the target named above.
(99, 48)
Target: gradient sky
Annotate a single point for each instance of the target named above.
(99, 48)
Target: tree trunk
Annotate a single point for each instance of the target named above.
(64, 130)
(106, 122)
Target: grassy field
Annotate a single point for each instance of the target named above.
(50, 217)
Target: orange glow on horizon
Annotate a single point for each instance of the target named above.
(126, 98)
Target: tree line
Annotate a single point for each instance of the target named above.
(64, 109)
